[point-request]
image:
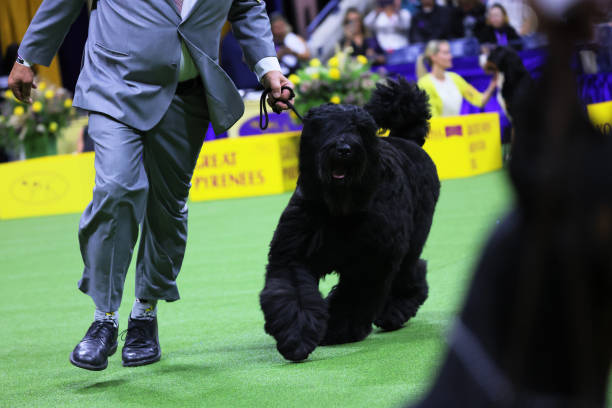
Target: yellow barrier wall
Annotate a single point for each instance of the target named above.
(601, 115)
(45, 186)
(465, 146)
(235, 167)
(244, 167)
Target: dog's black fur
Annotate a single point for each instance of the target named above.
(363, 208)
(517, 80)
(536, 328)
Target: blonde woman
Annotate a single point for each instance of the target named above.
(446, 89)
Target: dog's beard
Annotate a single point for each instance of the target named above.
(342, 181)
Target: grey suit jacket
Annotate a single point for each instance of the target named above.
(131, 60)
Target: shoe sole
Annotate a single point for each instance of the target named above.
(138, 363)
(93, 367)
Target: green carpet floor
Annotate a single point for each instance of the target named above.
(215, 352)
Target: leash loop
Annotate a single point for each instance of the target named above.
(263, 111)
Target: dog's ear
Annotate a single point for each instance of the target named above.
(365, 123)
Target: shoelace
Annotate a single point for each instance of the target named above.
(100, 329)
(263, 111)
(137, 329)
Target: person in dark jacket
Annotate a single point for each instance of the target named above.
(432, 22)
(469, 18)
(357, 39)
(498, 30)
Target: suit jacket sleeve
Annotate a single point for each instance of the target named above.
(48, 29)
(251, 28)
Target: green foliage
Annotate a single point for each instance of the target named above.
(345, 79)
(23, 126)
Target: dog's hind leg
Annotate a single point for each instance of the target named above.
(294, 310)
(353, 305)
(409, 291)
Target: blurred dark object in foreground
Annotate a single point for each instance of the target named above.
(536, 328)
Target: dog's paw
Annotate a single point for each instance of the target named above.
(343, 331)
(295, 316)
(396, 312)
(394, 315)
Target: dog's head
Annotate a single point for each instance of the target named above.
(506, 61)
(339, 156)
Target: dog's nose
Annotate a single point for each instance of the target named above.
(343, 149)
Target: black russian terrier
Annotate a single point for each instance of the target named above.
(363, 208)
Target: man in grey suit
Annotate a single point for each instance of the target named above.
(152, 84)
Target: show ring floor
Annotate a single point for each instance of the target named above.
(215, 351)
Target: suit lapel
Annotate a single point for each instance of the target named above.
(173, 7)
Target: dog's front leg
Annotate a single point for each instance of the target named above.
(354, 304)
(294, 310)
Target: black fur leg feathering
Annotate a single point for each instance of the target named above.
(295, 314)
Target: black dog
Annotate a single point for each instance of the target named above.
(363, 208)
(516, 78)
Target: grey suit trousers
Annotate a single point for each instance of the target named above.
(142, 178)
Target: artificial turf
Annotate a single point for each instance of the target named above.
(215, 352)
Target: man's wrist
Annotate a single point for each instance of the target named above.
(266, 65)
(23, 62)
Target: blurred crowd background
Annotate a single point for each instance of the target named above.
(392, 34)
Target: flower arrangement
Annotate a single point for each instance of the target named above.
(32, 130)
(344, 79)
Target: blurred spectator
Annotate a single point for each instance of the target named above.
(356, 38)
(447, 90)
(498, 29)
(521, 17)
(411, 5)
(291, 49)
(390, 24)
(432, 22)
(469, 18)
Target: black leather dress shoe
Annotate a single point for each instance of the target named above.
(141, 343)
(99, 343)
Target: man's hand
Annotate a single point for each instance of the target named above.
(21, 82)
(275, 80)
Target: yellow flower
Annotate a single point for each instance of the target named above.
(334, 73)
(333, 62)
(9, 94)
(42, 86)
(37, 106)
(68, 103)
(294, 79)
(335, 99)
(315, 62)
(315, 75)
(18, 111)
(53, 127)
(49, 94)
(362, 59)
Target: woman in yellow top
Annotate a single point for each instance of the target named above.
(446, 89)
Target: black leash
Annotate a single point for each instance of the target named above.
(263, 111)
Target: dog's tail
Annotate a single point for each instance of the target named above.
(401, 107)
